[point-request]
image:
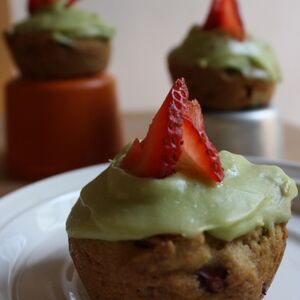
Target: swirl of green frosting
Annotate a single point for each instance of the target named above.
(253, 58)
(65, 23)
(118, 206)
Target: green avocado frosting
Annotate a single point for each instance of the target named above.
(253, 58)
(65, 23)
(118, 206)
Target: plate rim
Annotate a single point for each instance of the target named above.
(15, 202)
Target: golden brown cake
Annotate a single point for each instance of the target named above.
(176, 268)
(38, 55)
(224, 90)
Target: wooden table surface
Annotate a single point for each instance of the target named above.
(135, 125)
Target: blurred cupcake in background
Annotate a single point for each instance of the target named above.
(59, 40)
(225, 68)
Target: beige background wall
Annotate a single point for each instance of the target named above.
(148, 29)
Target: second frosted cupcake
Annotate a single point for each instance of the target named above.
(225, 68)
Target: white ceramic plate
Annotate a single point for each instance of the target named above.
(34, 259)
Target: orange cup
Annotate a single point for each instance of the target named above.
(54, 126)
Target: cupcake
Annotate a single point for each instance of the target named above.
(225, 68)
(59, 41)
(171, 218)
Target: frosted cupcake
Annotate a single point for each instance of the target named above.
(225, 68)
(60, 41)
(171, 218)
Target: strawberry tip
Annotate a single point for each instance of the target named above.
(224, 15)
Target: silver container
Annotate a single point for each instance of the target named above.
(254, 132)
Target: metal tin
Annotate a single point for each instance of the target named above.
(253, 132)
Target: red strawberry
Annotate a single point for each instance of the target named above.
(156, 156)
(199, 156)
(224, 15)
(176, 141)
(36, 5)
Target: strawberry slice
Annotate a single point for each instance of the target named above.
(156, 156)
(199, 156)
(176, 141)
(224, 15)
(36, 5)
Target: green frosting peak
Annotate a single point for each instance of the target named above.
(65, 22)
(118, 206)
(214, 49)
